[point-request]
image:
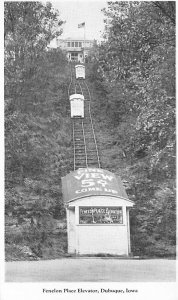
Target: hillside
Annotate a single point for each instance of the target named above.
(133, 108)
(133, 75)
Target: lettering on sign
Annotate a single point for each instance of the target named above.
(100, 215)
(91, 181)
(94, 180)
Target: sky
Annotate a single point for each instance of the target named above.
(76, 12)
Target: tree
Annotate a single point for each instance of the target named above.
(136, 63)
(37, 147)
(28, 29)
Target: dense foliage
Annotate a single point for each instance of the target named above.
(132, 79)
(134, 73)
(36, 139)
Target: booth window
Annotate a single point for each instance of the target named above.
(100, 215)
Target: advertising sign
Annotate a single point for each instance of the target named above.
(91, 181)
(100, 215)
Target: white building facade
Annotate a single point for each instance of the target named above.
(77, 49)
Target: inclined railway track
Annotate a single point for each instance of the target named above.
(84, 140)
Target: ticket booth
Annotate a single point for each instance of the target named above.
(97, 213)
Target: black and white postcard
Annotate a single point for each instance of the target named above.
(89, 208)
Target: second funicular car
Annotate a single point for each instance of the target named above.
(80, 71)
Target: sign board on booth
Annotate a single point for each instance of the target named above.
(91, 181)
(100, 215)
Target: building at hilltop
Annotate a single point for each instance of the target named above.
(76, 49)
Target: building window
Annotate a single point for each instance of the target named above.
(68, 44)
(100, 215)
(76, 44)
(80, 44)
(72, 44)
(74, 56)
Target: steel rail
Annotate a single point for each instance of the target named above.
(92, 124)
(93, 127)
(84, 90)
(74, 143)
(85, 145)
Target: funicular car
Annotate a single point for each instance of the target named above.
(80, 71)
(77, 106)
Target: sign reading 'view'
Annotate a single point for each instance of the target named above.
(91, 181)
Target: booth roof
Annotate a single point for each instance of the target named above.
(92, 182)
